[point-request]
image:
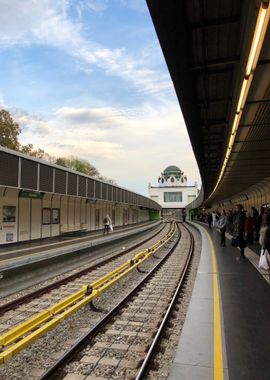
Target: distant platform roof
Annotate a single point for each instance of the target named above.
(207, 45)
(32, 175)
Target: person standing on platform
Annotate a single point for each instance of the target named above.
(209, 220)
(230, 221)
(239, 229)
(263, 227)
(255, 217)
(106, 223)
(261, 216)
(266, 244)
(249, 228)
(214, 219)
(222, 225)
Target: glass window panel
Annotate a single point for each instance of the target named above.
(173, 197)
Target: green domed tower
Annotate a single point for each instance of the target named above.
(172, 176)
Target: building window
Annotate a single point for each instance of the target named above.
(173, 197)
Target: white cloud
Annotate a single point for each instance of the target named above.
(30, 124)
(131, 146)
(47, 23)
(105, 117)
(91, 150)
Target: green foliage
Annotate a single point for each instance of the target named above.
(9, 131)
(108, 180)
(41, 154)
(79, 165)
(26, 149)
(82, 166)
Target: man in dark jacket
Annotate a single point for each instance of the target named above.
(209, 219)
(256, 222)
(239, 229)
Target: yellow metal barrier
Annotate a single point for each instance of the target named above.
(48, 319)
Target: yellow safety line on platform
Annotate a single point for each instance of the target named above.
(17, 339)
(218, 353)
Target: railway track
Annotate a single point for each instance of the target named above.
(122, 344)
(65, 279)
(36, 306)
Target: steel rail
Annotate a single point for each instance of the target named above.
(83, 341)
(45, 289)
(153, 348)
(22, 335)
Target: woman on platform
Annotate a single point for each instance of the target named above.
(222, 225)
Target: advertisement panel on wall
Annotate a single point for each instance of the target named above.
(9, 223)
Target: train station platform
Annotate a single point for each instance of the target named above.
(20, 253)
(226, 331)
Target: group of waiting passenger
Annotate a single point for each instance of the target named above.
(245, 226)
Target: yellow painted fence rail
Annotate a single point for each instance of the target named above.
(21, 336)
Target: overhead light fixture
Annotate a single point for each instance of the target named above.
(242, 97)
(258, 37)
(256, 45)
(235, 123)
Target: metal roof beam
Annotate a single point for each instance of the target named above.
(251, 141)
(253, 161)
(263, 62)
(250, 151)
(215, 22)
(214, 100)
(216, 142)
(254, 125)
(216, 63)
(266, 100)
(216, 121)
(214, 70)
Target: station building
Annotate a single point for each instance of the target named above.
(41, 200)
(172, 193)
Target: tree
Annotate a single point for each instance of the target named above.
(40, 153)
(108, 180)
(9, 131)
(79, 165)
(82, 166)
(26, 149)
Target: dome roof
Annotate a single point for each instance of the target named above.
(172, 170)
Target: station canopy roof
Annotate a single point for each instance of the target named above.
(207, 45)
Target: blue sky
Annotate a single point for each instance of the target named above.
(88, 78)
